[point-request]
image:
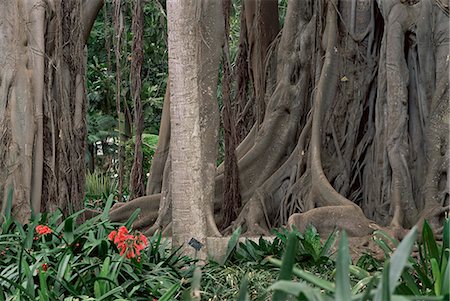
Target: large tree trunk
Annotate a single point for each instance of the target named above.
(42, 103)
(356, 122)
(195, 35)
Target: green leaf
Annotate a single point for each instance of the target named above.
(298, 290)
(68, 229)
(2, 294)
(232, 243)
(62, 267)
(43, 288)
(29, 280)
(110, 293)
(395, 268)
(28, 242)
(329, 243)
(105, 213)
(384, 289)
(410, 283)
(342, 271)
(100, 286)
(287, 264)
(358, 272)
(445, 242)
(19, 287)
(429, 241)
(307, 276)
(363, 283)
(243, 290)
(132, 218)
(170, 293)
(446, 280)
(436, 275)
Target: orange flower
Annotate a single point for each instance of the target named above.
(42, 230)
(128, 244)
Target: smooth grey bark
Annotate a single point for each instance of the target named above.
(195, 38)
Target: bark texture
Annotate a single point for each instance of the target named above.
(351, 121)
(137, 173)
(195, 35)
(42, 103)
(355, 127)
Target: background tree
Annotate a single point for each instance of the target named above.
(43, 107)
(349, 114)
(350, 120)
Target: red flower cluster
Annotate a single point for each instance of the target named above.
(42, 230)
(45, 267)
(128, 244)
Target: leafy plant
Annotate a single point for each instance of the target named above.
(66, 259)
(98, 187)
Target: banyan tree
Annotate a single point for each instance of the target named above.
(339, 115)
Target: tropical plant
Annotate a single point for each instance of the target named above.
(53, 257)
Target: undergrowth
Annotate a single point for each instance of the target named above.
(55, 258)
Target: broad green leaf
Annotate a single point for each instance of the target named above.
(105, 213)
(436, 275)
(410, 283)
(363, 283)
(132, 218)
(110, 293)
(43, 288)
(68, 229)
(232, 243)
(446, 280)
(287, 264)
(445, 242)
(307, 276)
(343, 288)
(358, 272)
(170, 293)
(329, 243)
(395, 266)
(23, 292)
(62, 267)
(429, 241)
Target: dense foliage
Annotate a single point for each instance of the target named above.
(53, 258)
(103, 122)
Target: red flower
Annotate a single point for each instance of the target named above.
(44, 267)
(112, 235)
(128, 244)
(42, 230)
